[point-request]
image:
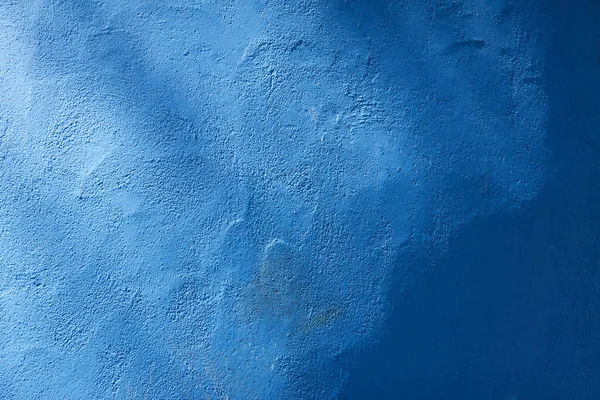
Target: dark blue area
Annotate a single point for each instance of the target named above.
(513, 309)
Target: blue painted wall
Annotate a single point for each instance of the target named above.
(315, 199)
(512, 311)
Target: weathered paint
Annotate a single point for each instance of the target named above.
(215, 199)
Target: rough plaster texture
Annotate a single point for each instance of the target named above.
(216, 199)
(512, 310)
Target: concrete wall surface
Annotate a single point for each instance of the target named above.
(314, 199)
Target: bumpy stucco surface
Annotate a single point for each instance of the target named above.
(215, 199)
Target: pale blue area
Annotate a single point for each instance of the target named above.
(225, 199)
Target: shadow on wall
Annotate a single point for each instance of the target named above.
(513, 310)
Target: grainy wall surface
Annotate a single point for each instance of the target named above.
(221, 199)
